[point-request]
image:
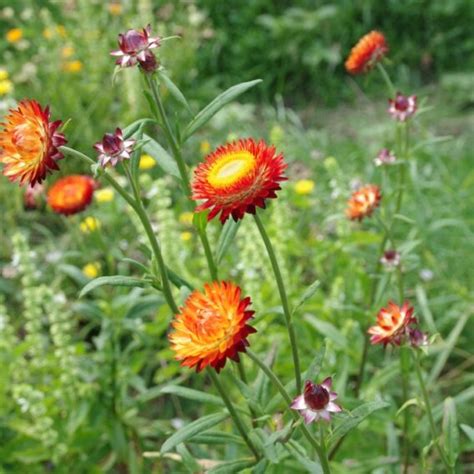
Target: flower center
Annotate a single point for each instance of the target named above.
(315, 396)
(401, 103)
(230, 168)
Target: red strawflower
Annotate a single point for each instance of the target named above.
(363, 202)
(29, 143)
(212, 326)
(71, 194)
(237, 178)
(402, 107)
(369, 49)
(113, 148)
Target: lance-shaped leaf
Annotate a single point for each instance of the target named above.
(116, 280)
(174, 91)
(161, 156)
(450, 431)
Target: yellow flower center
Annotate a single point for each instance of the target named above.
(230, 168)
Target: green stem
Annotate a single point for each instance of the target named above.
(137, 205)
(209, 256)
(387, 79)
(233, 413)
(283, 297)
(429, 412)
(280, 387)
(404, 369)
(243, 376)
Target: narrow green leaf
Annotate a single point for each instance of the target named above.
(133, 128)
(216, 437)
(116, 280)
(228, 233)
(174, 91)
(192, 394)
(425, 309)
(212, 108)
(354, 418)
(161, 156)
(194, 428)
(468, 431)
(327, 329)
(450, 431)
(315, 366)
(188, 459)
(302, 457)
(308, 293)
(231, 467)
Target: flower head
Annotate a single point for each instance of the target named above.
(390, 258)
(14, 35)
(369, 49)
(317, 401)
(402, 107)
(135, 47)
(91, 270)
(29, 143)
(212, 326)
(146, 162)
(363, 202)
(238, 177)
(392, 324)
(71, 194)
(304, 186)
(385, 157)
(113, 148)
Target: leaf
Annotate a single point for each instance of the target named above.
(425, 309)
(216, 437)
(133, 128)
(161, 156)
(174, 91)
(228, 233)
(408, 403)
(191, 394)
(116, 280)
(450, 431)
(469, 431)
(200, 221)
(194, 428)
(354, 418)
(212, 108)
(328, 330)
(308, 293)
(230, 467)
(301, 456)
(315, 366)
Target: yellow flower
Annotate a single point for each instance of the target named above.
(67, 52)
(186, 236)
(91, 270)
(3, 74)
(146, 162)
(204, 147)
(104, 195)
(115, 9)
(73, 66)
(186, 218)
(14, 35)
(89, 224)
(304, 186)
(6, 86)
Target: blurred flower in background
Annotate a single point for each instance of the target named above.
(91, 270)
(14, 35)
(366, 53)
(71, 194)
(89, 224)
(402, 107)
(304, 186)
(385, 157)
(147, 162)
(363, 202)
(104, 195)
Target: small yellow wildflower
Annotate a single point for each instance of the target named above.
(186, 218)
(204, 147)
(73, 66)
(91, 270)
(304, 186)
(146, 162)
(115, 9)
(104, 195)
(67, 52)
(89, 224)
(6, 86)
(14, 35)
(3, 74)
(186, 236)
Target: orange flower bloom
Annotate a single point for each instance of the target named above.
(392, 324)
(212, 326)
(29, 143)
(363, 202)
(238, 177)
(71, 194)
(370, 49)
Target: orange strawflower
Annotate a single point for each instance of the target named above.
(29, 143)
(363, 202)
(212, 326)
(369, 49)
(238, 177)
(71, 194)
(392, 324)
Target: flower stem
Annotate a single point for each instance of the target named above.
(404, 369)
(209, 256)
(233, 413)
(386, 78)
(429, 412)
(280, 387)
(283, 297)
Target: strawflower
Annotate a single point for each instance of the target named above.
(390, 258)
(212, 326)
(366, 53)
(238, 177)
(29, 143)
(385, 157)
(402, 107)
(317, 401)
(135, 48)
(113, 148)
(71, 195)
(363, 202)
